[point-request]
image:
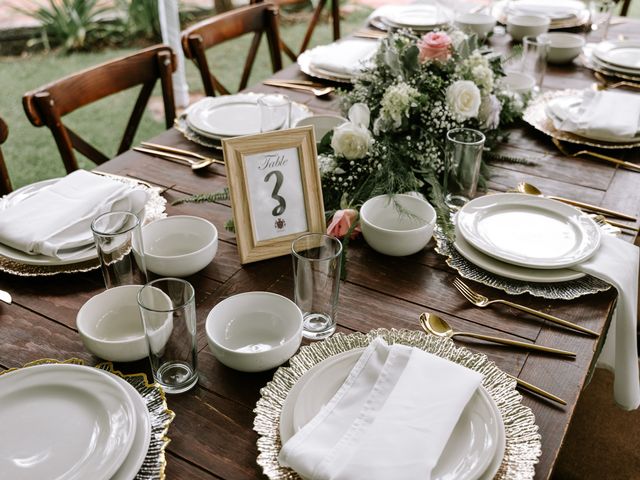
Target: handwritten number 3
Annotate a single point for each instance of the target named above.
(282, 204)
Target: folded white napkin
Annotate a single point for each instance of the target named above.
(56, 221)
(391, 418)
(347, 57)
(603, 115)
(617, 263)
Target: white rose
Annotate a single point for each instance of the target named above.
(489, 114)
(360, 115)
(463, 99)
(351, 141)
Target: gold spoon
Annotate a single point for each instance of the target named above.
(521, 383)
(524, 187)
(439, 327)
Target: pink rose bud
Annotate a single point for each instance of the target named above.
(341, 223)
(434, 46)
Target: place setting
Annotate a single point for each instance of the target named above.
(561, 14)
(340, 61)
(420, 17)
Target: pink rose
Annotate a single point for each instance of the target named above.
(341, 223)
(434, 46)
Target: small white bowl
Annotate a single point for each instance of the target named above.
(520, 26)
(179, 246)
(110, 325)
(563, 47)
(517, 82)
(397, 231)
(254, 331)
(479, 23)
(322, 124)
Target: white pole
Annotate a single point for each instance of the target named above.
(170, 27)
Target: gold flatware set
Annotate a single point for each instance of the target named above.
(195, 160)
(605, 84)
(304, 85)
(600, 156)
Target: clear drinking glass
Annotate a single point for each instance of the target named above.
(275, 112)
(317, 260)
(463, 157)
(168, 311)
(600, 15)
(534, 58)
(118, 240)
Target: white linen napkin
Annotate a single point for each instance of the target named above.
(56, 221)
(391, 418)
(603, 115)
(617, 263)
(347, 57)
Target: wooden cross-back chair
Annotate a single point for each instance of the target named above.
(48, 104)
(5, 183)
(197, 39)
(317, 11)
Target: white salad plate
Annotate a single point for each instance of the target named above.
(507, 270)
(142, 439)
(232, 115)
(17, 196)
(528, 231)
(622, 55)
(64, 421)
(474, 450)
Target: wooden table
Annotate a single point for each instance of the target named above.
(212, 434)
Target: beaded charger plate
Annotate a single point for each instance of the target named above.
(154, 209)
(536, 115)
(523, 442)
(154, 464)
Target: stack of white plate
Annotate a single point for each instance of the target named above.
(562, 13)
(340, 61)
(72, 422)
(618, 57)
(419, 17)
(524, 237)
(230, 116)
(474, 450)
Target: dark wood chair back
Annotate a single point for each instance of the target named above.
(259, 19)
(5, 183)
(48, 104)
(625, 7)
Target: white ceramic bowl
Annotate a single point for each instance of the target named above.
(322, 124)
(179, 246)
(254, 331)
(397, 231)
(479, 23)
(518, 82)
(110, 325)
(563, 47)
(520, 26)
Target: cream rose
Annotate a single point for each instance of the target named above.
(351, 141)
(463, 99)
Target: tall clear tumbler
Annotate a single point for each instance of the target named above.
(463, 157)
(317, 260)
(118, 240)
(168, 311)
(534, 58)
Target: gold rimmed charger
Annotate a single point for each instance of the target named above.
(523, 446)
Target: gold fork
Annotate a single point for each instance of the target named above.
(482, 302)
(605, 84)
(606, 158)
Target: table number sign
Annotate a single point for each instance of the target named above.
(275, 191)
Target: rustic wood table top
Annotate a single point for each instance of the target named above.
(212, 435)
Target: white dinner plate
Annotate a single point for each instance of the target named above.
(142, 439)
(63, 421)
(508, 270)
(474, 450)
(229, 116)
(622, 54)
(528, 231)
(420, 17)
(554, 9)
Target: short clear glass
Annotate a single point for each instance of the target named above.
(168, 311)
(534, 58)
(317, 261)
(275, 112)
(118, 241)
(463, 156)
(600, 12)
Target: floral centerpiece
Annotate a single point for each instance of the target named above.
(400, 109)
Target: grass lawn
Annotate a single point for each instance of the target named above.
(31, 153)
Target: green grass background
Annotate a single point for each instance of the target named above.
(31, 153)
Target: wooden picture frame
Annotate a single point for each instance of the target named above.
(275, 191)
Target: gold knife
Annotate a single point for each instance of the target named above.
(532, 388)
